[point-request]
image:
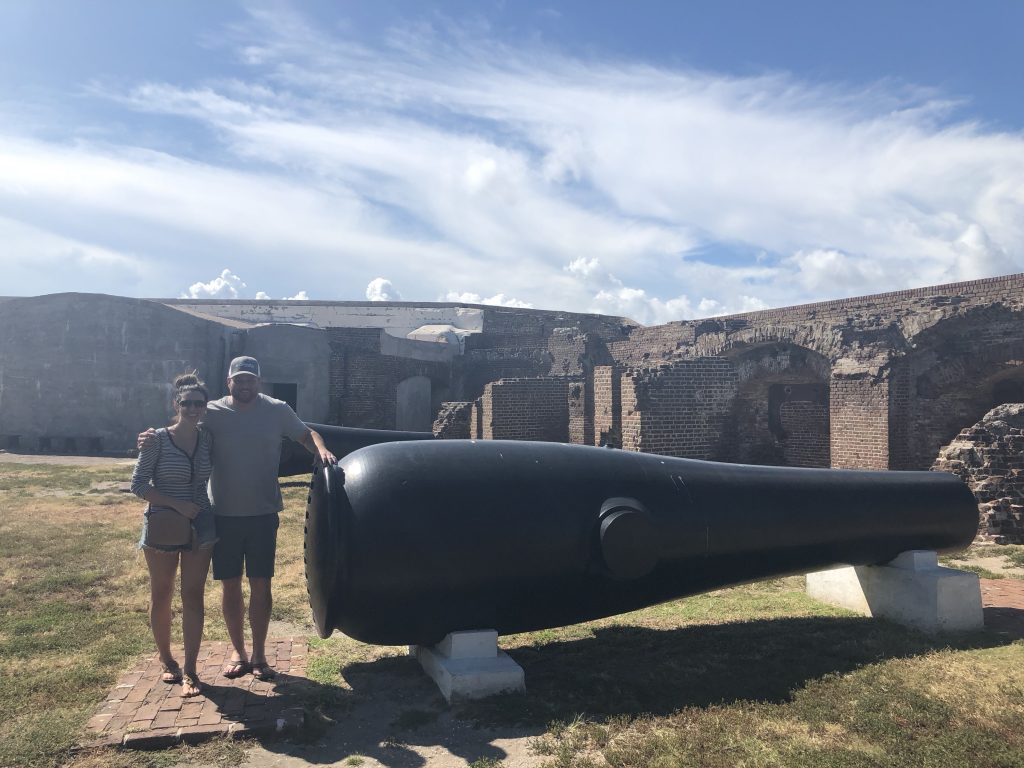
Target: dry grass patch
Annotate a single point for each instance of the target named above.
(74, 596)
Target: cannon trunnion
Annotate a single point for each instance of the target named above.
(413, 540)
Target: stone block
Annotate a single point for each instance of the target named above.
(468, 665)
(912, 590)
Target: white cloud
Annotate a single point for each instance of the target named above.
(224, 286)
(32, 257)
(634, 303)
(821, 271)
(300, 296)
(261, 296)
(442, 155)
(583, 266)
(381, 289)
(498, 300)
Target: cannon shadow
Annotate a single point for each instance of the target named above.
(631, 670)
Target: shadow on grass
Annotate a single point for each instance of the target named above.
(625, 670)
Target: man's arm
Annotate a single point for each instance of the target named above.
(314, 443)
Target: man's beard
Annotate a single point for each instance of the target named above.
(244, 395)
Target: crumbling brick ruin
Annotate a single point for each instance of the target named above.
(989, 456)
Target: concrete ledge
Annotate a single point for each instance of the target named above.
(468, 665)
(912, 589)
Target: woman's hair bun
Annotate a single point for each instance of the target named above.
(187, 380)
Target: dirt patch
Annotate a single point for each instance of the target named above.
(71, 461)
(996, 564)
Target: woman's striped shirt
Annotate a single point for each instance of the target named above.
(166, 467)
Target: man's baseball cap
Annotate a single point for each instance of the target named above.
(242, 365)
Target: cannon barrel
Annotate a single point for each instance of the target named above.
(416, 540)
(296, 460)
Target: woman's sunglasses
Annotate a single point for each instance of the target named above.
(192, 403)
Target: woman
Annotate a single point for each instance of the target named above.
(171, 474)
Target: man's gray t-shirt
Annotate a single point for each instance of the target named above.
(246, 454)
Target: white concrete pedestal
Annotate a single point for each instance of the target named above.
(912, 590)
(468, 665)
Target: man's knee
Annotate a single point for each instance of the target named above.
(260, 587)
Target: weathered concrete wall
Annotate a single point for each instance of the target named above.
(293, 354)
(87, 372)
(413, 411)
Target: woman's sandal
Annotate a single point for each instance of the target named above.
(191, 685)
(171, 673)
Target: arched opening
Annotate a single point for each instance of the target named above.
(959, 370)
(780, 415)
(412, 405)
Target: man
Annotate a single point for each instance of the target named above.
(247, 428)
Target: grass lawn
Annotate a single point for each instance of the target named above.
(753, 676)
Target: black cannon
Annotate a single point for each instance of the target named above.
(296, 460)
(415, 540)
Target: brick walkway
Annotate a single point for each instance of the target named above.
(1003, 600)
(144, 712)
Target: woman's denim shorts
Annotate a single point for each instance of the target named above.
(204, 533)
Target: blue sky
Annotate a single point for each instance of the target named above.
(658, 160)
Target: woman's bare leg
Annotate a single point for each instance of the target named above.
(195, 566)
(162, 568)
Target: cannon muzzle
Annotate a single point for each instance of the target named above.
(413, 540)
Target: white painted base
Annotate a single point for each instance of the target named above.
(468, 665)
(912, 590)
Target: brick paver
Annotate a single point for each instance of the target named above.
(143, 712)
(1003, 601)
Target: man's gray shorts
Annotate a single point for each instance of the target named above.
(248, 541)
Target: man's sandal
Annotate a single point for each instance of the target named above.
(170, 674)
(235, 668)
(191, 685)
(263, 671)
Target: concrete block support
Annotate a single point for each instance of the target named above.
(912, 590)
(468, 665)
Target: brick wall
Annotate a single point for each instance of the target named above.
(807, 435)
(526, 409)
(859, 419)
(771, 377)
(581, 410)
(632, 417)
(682, 407)
(364, 383)
(959, 370)
(476, 421)
(607, 397)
